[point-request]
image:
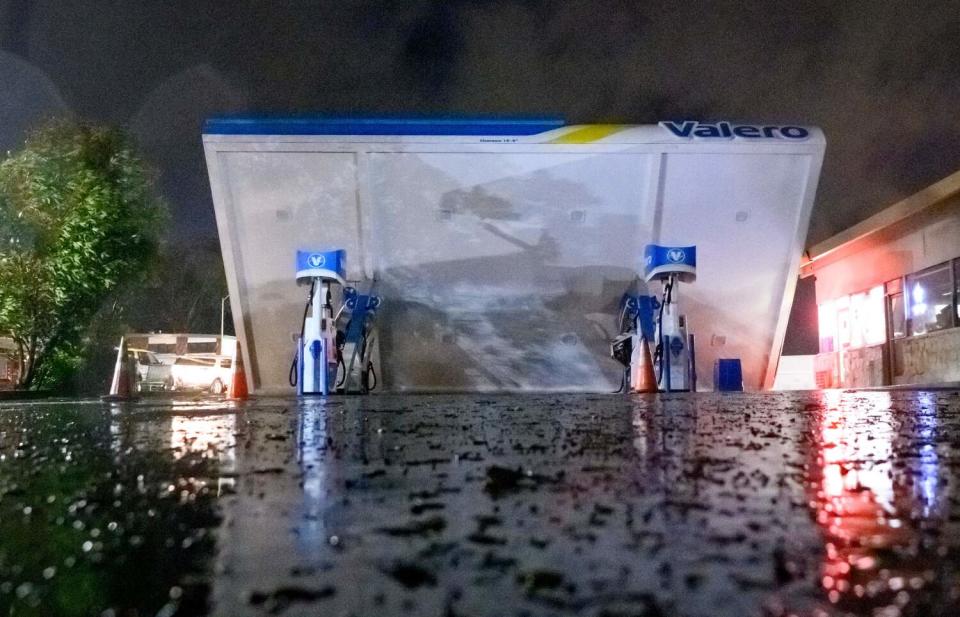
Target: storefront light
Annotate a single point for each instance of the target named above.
(918, 306)
(827, 325)
(874, 317)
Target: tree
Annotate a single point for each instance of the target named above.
(183, 294)
(78, 218)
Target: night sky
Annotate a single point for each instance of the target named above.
(883, 82)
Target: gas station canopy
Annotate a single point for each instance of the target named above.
(501, 247)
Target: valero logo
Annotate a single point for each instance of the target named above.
(676, 255)
(317, 260)
(725, 130)
(676, 345)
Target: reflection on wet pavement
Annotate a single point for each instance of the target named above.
(829, 503)
(106, 510)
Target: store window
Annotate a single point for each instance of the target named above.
(898, 316)
(853, 321)
(956, 294)
(896, 309)
(842, 306)
(827, 324)
(871, 317)
(930, 300)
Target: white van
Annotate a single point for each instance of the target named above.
(212, 373)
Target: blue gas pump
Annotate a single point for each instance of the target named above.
(359, 340)
(322, 347)
(635, 322)
(318, 358)
(673, 358)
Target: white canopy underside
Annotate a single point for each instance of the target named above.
(501, 265)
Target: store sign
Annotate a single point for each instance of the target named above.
(688, 129)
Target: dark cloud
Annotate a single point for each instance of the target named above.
(881, 79)
(432, 47)
(167, 127)
(27, 97)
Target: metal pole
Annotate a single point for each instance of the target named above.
(665, 361)
(692, 347)
(223, 302)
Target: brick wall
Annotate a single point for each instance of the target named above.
(927, 359)
(864, 367)
(826, 370)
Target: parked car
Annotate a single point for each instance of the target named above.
(203, 372)
(152, 375)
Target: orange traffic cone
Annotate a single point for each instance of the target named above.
(644, 379)
(238, 383)
(122, 386)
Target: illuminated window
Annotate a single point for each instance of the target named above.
(873, 327)
(854, 321)
(842, 306)
(930, 303)
(827, 325)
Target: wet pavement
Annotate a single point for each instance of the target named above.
(828, 503)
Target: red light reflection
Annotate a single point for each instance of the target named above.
(872, 559)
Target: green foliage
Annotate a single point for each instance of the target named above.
(78, 218)
(182, 293)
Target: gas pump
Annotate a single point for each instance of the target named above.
(673, 356)
(318, 360)
(329, 358)
(359, 341)
(635, 323)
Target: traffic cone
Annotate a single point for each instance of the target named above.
(122, 386)
(645, 380)
(238, 383)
